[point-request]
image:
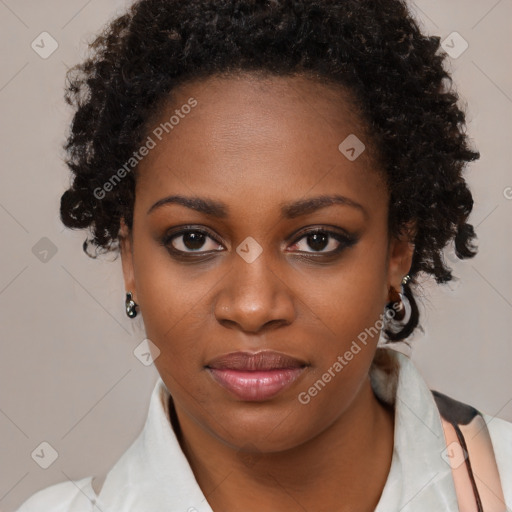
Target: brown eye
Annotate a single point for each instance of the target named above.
(317, 241)
(191, 241)
(321, 239)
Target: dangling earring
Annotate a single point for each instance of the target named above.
(130, 306)
(399, 303)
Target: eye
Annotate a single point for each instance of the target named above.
(191, 241)
(195, 241)
(323, 241)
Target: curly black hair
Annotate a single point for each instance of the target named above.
(372, 48)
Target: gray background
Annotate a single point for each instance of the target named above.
(68, 375)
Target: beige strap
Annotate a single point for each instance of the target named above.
(474, 463)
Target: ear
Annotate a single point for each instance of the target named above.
(401, 251)
(126, 249)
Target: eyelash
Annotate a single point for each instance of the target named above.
(345, 241)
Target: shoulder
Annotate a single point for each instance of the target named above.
(68, 496)
(482, 433)
(500, 432)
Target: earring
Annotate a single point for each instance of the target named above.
(396, 304)
(399, 303)
(130, 306)
(406, 279)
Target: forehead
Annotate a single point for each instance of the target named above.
(249, 133)
(252, 107)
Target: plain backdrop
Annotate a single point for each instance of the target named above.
(68, 373)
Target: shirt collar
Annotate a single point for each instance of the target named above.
(419, 480)
(154, 474)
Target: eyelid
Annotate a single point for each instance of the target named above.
(325, 228)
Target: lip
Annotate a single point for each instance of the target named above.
(255, 376)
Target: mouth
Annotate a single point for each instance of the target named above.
(255, 376)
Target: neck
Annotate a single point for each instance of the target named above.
(344, 468)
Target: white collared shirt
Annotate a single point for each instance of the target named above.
(153, 474)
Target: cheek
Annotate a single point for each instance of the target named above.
(172, 304)
(348, 313)
(347, 337)
(350, 297)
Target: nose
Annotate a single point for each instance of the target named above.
(254, 298)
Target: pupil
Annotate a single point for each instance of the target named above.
(317, 241)
(193, 240)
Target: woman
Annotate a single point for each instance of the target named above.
(277, 176)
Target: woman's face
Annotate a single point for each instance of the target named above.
(251, 158)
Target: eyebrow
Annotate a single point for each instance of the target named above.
(289, 210)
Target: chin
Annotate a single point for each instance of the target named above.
(261, 429)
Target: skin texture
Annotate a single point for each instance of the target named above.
(254, 144)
